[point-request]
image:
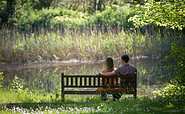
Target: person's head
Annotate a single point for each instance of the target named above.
(124, 59)
(109, 64)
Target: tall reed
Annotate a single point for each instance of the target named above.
(91, 43)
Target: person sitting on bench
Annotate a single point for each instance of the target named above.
(109, 68)
(123, 70)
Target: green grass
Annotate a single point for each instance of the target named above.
(95, 105)
(8, 96)
(23, 101)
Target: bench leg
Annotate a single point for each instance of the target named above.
(135, 93)
(135, 88)
(62, 97)
(62, 87)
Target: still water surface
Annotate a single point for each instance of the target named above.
(150, 73)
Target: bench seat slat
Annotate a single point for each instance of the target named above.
(93, 91)
(89, 86)
(92, 76)
(67, 81)
(80, 81)
(98, 81)
(85, 81)
(94, 81)
(71, 80)
(90, 81)
(76, 81)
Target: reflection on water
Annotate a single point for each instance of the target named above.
(150, 72)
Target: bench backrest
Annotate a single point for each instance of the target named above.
(94, 81)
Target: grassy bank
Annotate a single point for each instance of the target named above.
(127, 105)
(93, 104)
(165, 99)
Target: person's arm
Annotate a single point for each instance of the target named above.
(108, 73)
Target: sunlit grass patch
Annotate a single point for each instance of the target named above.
(125, 105)
(153, 99)
(41, 102)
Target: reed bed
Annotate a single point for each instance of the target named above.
(92, 43)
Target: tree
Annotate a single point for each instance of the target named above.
(3, 12)
(6, 10)
(10, 7)
(168, 14)
(163, 13)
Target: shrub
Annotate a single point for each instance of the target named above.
(55, 17)
(113, 15)
(3, 13)
(177, 56)
(1, 78)
(175, 92)
(171, 94)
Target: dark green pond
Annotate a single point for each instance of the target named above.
(150, 73)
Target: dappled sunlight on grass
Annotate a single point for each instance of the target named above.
(21, 100)
(125, 105)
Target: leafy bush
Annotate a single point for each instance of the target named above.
(177, 55)
(35, 18)
(55, 17)
(3, 13)
(174, 93)
(69, 18)
(1, 78)
(163, 13)
(113, 15)
(171, 94)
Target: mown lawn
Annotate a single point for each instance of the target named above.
(168, 99)
(93, 104)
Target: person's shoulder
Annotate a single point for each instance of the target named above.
(133, 67)
(104, 70)
(115, 69)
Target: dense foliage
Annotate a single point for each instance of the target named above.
(177, 55)
(1, 79)
(57, 17)
(3, 12)
(13, 10)
(170, 14)
(163, 13)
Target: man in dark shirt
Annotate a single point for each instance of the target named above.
(123, 70)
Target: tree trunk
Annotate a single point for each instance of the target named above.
(10, 7)
(95, 1)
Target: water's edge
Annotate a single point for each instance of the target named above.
(48, 64)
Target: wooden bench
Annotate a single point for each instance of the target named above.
(86, 84)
